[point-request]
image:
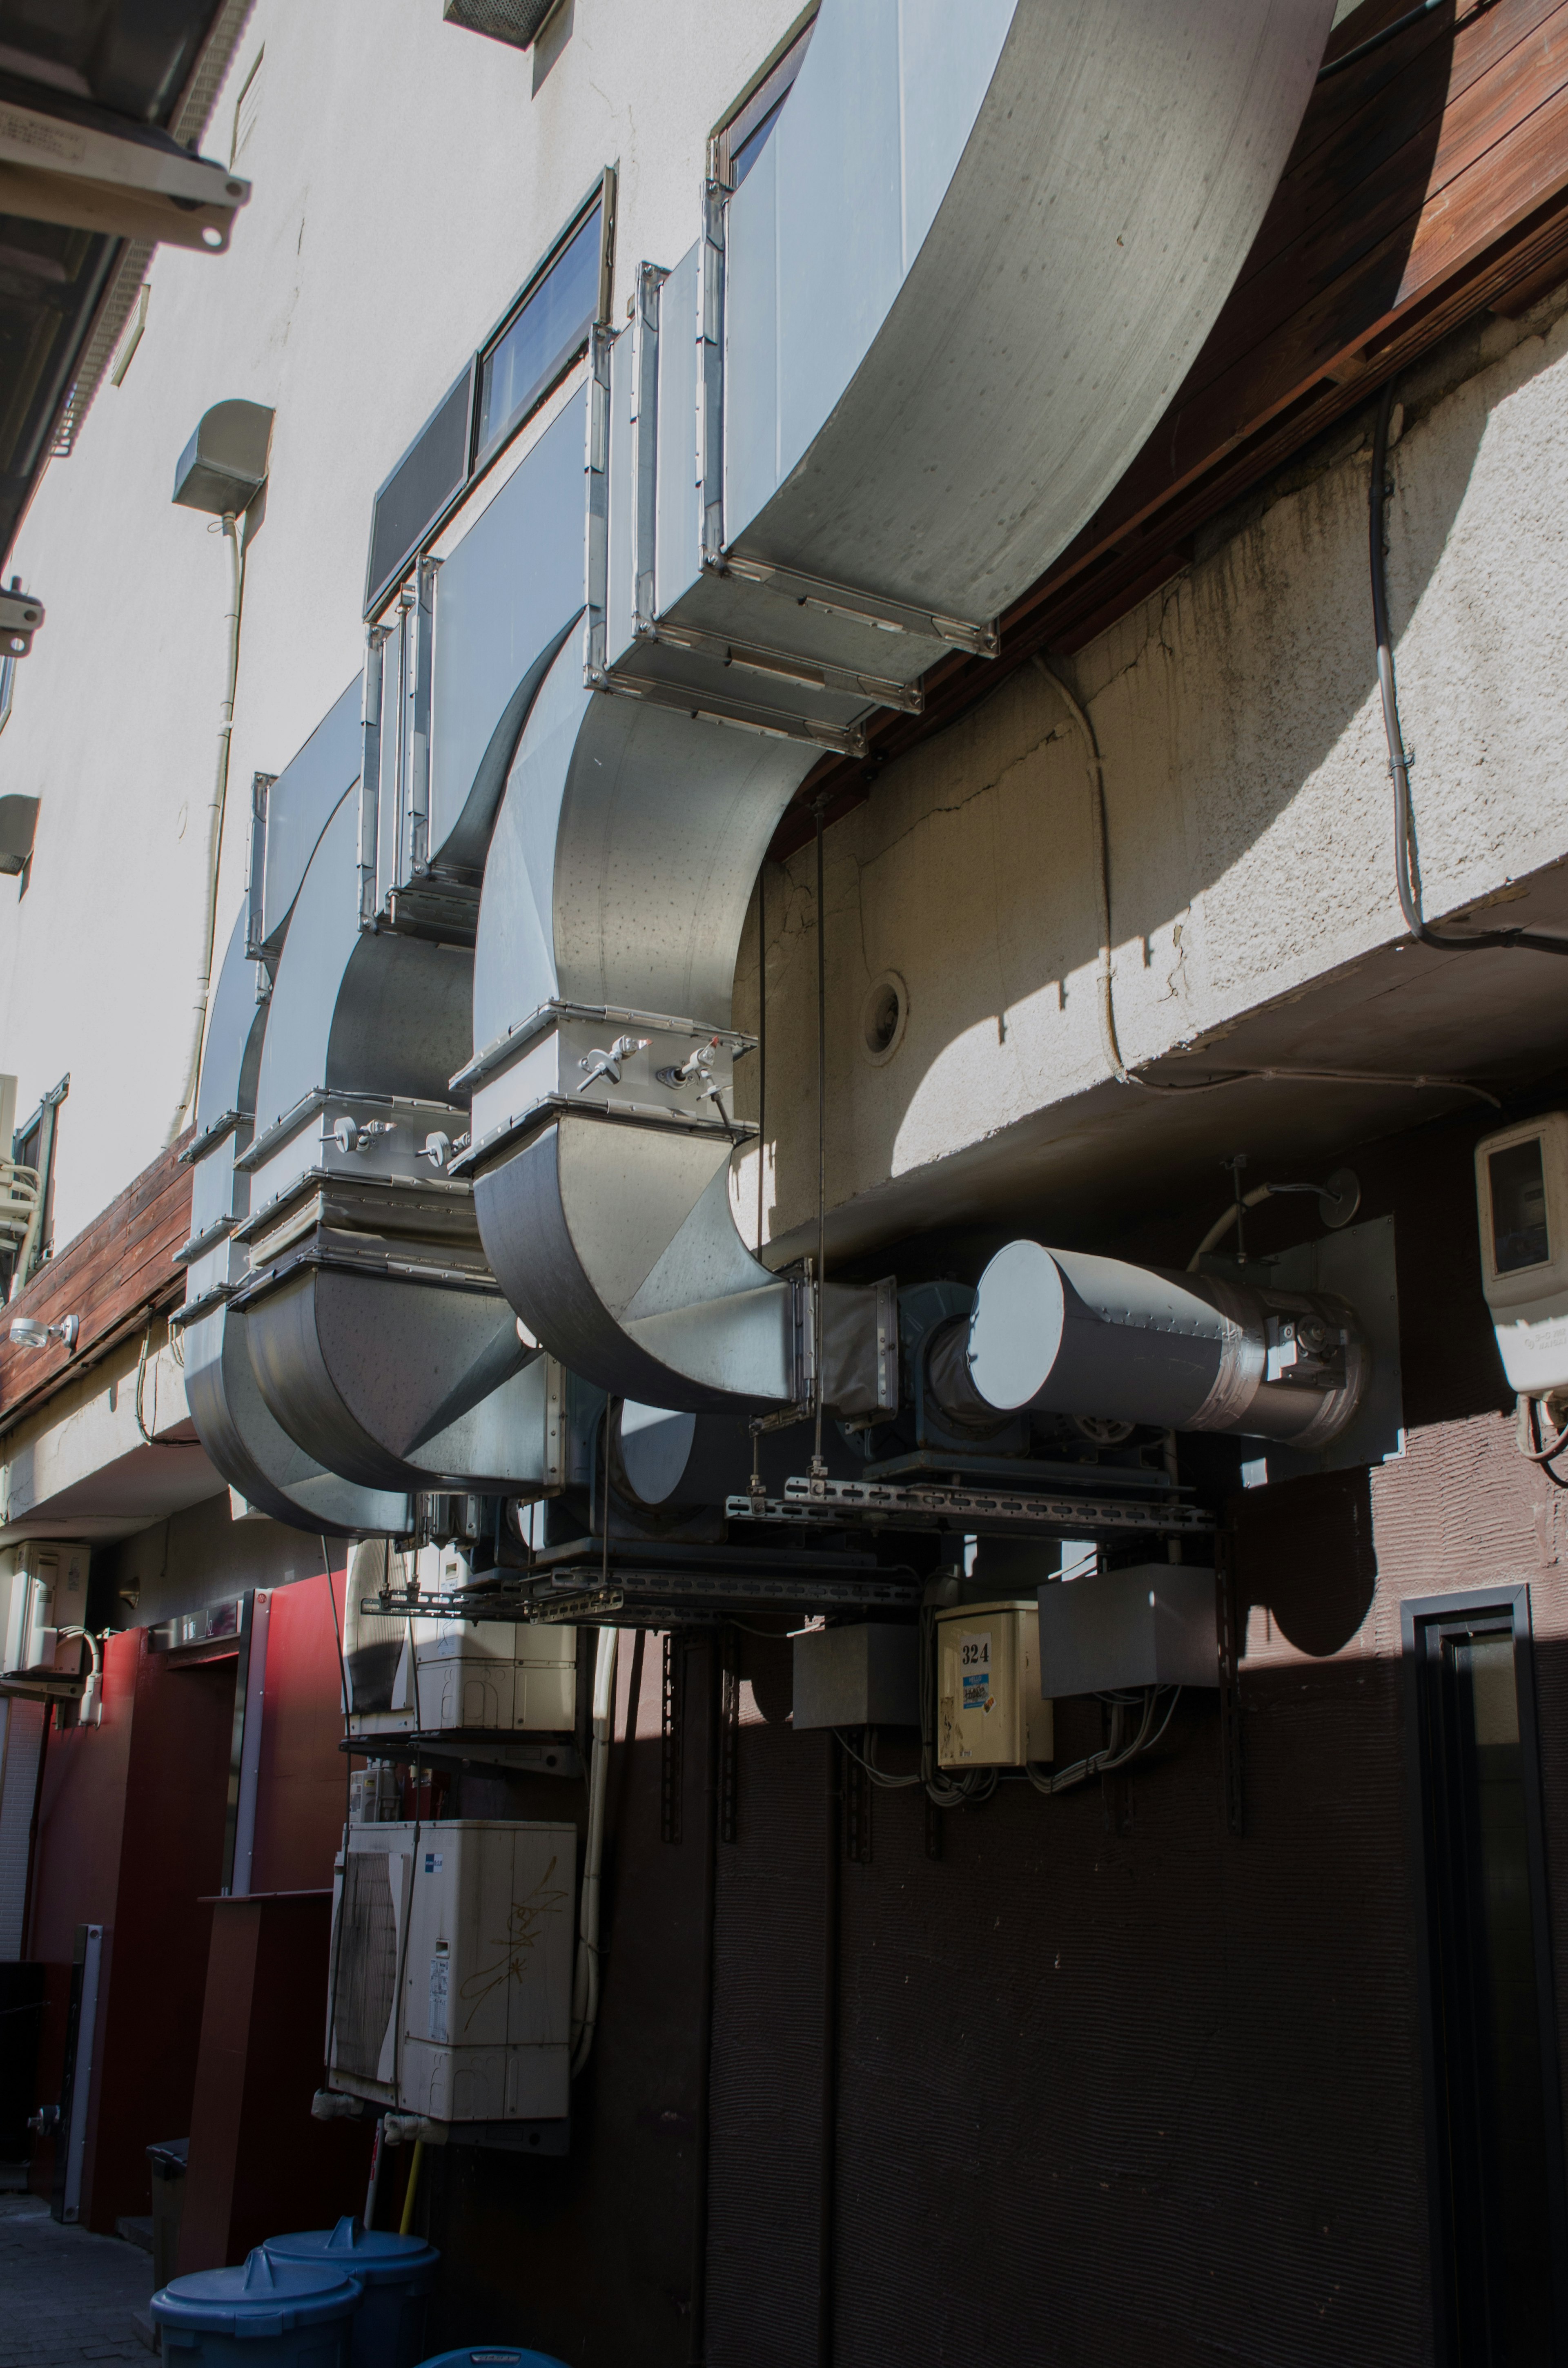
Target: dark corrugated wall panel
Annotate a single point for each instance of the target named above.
(1147, 2093)
(767, 2076)
(589, 2258)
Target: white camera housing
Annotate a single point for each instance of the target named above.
(1521, 1189)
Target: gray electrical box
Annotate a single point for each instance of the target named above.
(865, 1676)
(1154, 1625)
(224, 467)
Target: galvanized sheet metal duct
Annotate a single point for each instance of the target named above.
(934, 326)
(254, 1456)
(376, 1336)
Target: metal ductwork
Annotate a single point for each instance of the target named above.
(1060, 1332)
(378, 1338)
(254, 1456)
(920, 341)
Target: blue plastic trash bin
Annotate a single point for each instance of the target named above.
(265, 2313)
(395, 2271)
(494, 2355)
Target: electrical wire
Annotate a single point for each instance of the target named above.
(868, 1761)
(141, 1378)
(1529, 1427)
(1109, 1042)
(1116, 1753)
(1376, 40)
(1404, 852)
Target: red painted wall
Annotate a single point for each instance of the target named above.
(301, 1803)
(171, 1859)
(76, 1863)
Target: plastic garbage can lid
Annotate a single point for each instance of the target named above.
(493, 2355)
(169, 2155)
(375, 2255)
(261, 2297)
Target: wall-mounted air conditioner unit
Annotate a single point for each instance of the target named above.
(45, 1591)
(488, 1677)
(451, 1987)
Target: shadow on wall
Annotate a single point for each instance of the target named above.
(970, 873)
(1093, 2029)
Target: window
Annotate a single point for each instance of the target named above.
(33, 1148)
(431, 474)
(531, 348)
(546, 333)
(741, 139)
(247, 107)
(1492, 2068)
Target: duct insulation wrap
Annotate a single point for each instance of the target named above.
(1060, 1332)
(932, 327)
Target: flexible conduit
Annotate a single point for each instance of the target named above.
(1101, 844)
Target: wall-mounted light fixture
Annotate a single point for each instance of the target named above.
(28, 1333)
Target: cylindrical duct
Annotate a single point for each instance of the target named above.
(1060, 1332)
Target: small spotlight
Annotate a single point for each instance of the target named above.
(28, 1333)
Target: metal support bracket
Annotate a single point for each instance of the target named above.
(830, 1503)
(745, 715)
(982, 641)
(672, 1739)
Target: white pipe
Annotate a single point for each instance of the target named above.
(214, 832)
(585, 1977)
(1223, 1223)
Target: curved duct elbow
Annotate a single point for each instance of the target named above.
(1061, 1332)
(251, 1451)
(935, 324)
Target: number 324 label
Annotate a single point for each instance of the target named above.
(975, 1668)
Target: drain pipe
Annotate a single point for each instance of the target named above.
(585, 1977)
(229, 529)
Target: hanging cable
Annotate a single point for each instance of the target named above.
(1376, 41)
(868, 1761)
(1116, 1753)
(1405, 854)
(140, 1379)
(1110, 1043)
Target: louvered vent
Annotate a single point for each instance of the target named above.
(516, 21)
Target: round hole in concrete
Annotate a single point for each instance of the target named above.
(883, 1018)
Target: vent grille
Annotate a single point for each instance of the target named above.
(516, 21)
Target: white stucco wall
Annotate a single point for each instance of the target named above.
(1247, 795)
(407, 177)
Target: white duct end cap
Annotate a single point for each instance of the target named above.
(1014, 1332)
(656, 1448)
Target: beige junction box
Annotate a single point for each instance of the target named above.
(989, 1710)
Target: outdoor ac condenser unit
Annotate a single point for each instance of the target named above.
(450, 1989)
(488, 1677)
(47, 1591)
